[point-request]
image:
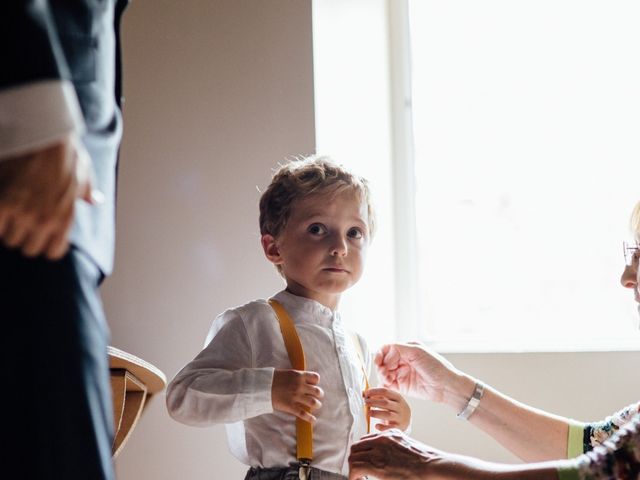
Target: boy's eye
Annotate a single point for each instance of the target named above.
(317, 229)
(355, 233)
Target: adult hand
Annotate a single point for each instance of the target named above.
(393, 455)
(296, 392)
(37, 195)
(414, 370)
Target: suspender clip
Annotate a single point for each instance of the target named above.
(304, 471)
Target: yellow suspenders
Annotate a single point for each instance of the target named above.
(367, 410)
(304, 430)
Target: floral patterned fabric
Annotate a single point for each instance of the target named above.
(597, 433)
(612, 449)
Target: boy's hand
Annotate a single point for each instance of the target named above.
(388, 406)
(296, 392)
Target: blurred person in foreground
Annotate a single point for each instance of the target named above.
(60, 130)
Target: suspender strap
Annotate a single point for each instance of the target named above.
(304, 430)
(367, 409)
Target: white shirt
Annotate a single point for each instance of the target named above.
(37, 114)
(230, 382)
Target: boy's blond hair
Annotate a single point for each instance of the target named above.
(303, 177)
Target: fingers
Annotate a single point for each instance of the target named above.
(389, 407)
(311, 378)
(310, 389)
(59, 242)
(36, 242)
(5, 218)
(298, 410)
(35, 235)
(387, 362)
(303, 414)
(97, 197)
(381, 403)
(382, 392)
(392, 455)
(361, 461)
(360, 469)
(388, 419)
(311, 402)
(16, 230)
(297, 393)
(388, 356)
(85, 192)
(382, 427)
(382, 397)
(380, 358)
(386, 416)
(37, 195)
(85, 177)
(303, 406)
(402, 373)
(390, 381)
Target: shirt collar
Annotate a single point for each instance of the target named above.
(305, 310)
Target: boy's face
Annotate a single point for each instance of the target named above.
(323, 246)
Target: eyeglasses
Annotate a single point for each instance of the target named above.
(631, 252)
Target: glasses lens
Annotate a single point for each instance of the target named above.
(630, 251)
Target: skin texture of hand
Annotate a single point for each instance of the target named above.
(389, 407)
(37, 195)
(531, 434)
(392, 455)
(415, 371)
(297, 393)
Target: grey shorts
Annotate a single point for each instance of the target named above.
(289, 473)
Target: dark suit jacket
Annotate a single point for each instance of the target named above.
(75, 40)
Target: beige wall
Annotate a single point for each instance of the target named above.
(217, 93)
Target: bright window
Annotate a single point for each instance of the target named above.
(523, 144)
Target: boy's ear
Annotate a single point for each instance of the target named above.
(271, 250)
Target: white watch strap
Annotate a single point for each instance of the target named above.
(473, 403)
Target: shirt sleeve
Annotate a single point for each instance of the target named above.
(615, 457)
(575, 445)
(37, 114)
(221, 385)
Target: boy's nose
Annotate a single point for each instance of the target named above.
(339, 247)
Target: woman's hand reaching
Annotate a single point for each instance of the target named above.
(414, 370)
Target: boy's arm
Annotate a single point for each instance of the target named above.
(221, 385)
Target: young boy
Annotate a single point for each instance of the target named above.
(316, 222)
